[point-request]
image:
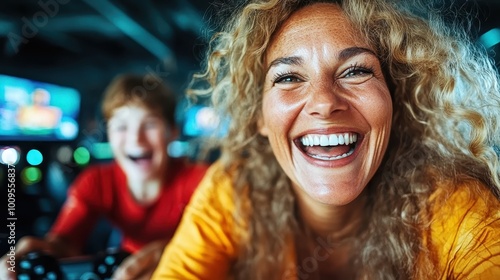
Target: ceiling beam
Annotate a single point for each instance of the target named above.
(135, 31)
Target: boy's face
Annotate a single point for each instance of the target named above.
(139, 139)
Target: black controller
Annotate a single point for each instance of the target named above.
(41, 266)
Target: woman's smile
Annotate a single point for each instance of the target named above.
(328, 147)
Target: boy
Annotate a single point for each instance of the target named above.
(142, 192)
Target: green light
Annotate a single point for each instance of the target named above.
(31, 175)
(81, 156)
(34, 157)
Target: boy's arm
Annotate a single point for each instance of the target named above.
(80, 211)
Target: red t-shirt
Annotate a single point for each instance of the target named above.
(101, 191)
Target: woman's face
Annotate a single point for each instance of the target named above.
(139, 139)
(326, 107)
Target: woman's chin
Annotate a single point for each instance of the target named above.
(331, 194)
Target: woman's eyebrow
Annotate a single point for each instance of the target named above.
(343, 55)
(353, 51)
(289, 60)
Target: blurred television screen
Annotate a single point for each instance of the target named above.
(37, 111)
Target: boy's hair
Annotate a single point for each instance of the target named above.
(148, 91)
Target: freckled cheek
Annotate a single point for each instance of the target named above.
(377, 106)
(380, 114)
(279, 111)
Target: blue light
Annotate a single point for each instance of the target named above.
(178, 149)
(34, 157)
(490, 38)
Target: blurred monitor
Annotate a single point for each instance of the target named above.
(37, 111)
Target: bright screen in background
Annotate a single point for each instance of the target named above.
(34, 111)
(202, 121)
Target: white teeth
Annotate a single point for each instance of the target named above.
(335, 157)
(333, 140)
(329, 140)
(323, 140)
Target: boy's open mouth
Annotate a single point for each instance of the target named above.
(141, 158)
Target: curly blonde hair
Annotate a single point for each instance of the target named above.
(445, 126)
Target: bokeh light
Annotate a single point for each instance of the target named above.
(102, 151)
(207, 119)
(68, 129)
(490, 38)
(81, 156)
(31, 175)
(9, 155)
(34, 157)
(64, 154)
(178, 149)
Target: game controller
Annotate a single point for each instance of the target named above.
(41, 266)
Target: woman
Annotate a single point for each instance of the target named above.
(361, 147)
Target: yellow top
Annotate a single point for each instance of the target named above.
(464, 234)
(464, 240)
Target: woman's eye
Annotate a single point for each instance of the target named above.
(286, 78)
(355, 72)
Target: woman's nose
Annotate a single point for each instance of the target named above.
(324, 99)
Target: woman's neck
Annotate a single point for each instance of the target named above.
(336, 223)
(330, 234)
